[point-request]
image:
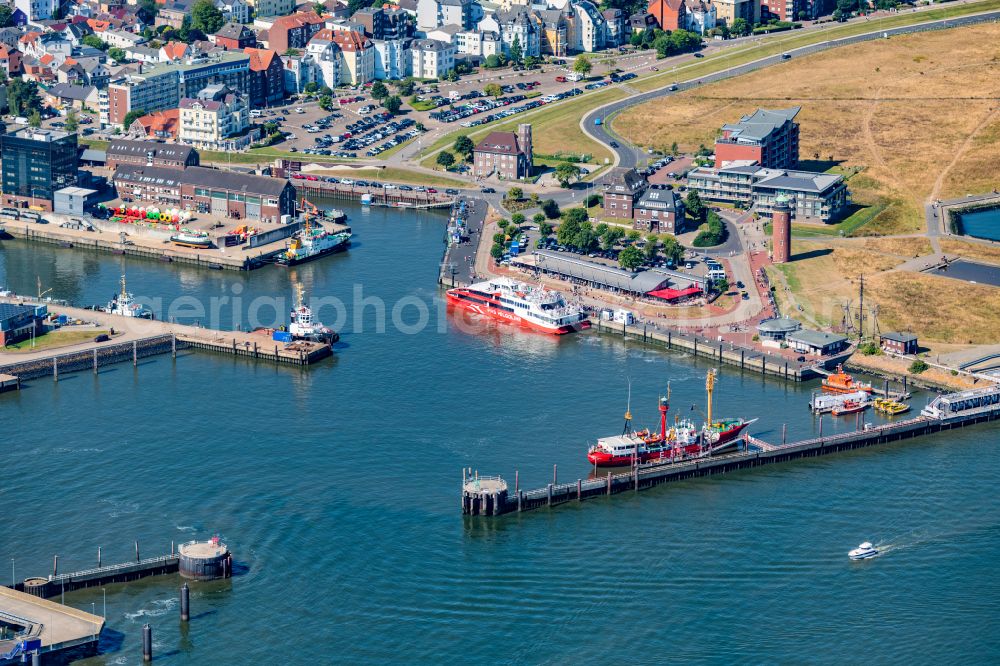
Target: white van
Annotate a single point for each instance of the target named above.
(255, 113)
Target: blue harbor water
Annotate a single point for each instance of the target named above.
(982, 223)
(337, 487)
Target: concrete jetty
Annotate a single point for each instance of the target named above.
(137, 338)
(946, 412)
(50, 626)
(139, 242)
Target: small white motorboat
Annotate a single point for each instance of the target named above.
(863, 552)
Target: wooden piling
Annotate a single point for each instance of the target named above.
(55, 368)
(579, 489)
(95, 360)
(137, 550)
(609, 483)
(555, 478)
(147, 643)
(135, 354)
(550, 494)
(98, 557)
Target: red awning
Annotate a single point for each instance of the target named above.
(673, 294)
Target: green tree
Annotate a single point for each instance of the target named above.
(673, 149)
(566, 173)
(740, 27)
(117, 54)
(582, 65)
(22, 97)
(538, 218)
(721, 285)
(517, 219)
(917, 367)
(492, 61)
(635, 39)
(326, 90)
(586, 237)
(515, 194)
(496, 251)
(95, 42)
(515, 51)
(632, 236)
(72, 124)
(492, 90)
(291, 53)
(149, 9)
(672, 249)
(652, 247)
(611, 236)
(326, 103)
(392, 104)
(5, 14)
(694, 205)
(319, 8)
(551, 209)
(567, 232)
(35, 119)
(579, 215)
(464, 146)
(270, 127)
(530, 62)
(312, 87)
(630, 258)
(379, 91)
(205, 16)
(406, 86)
(131, 116)
(445, 159)
(544, 228)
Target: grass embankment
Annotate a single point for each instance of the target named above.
(253, 156)
(53, 339)
(555, 128)
(791, 40)
(887, 106)
(988, 254)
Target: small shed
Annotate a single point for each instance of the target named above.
(72, 200)
(899, 343)
(777, 329)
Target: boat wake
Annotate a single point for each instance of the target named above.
(161, 607)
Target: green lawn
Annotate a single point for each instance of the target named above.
(56, 338)
(554, 127)
(399, 175)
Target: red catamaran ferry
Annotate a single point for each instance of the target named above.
(506, 299)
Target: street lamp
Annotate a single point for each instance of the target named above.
(105, 591)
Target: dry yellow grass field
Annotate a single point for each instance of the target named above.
(989, 254)
(821, 279)
(919, 112)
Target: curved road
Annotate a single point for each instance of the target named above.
(629, 156)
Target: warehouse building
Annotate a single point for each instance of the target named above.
(202, 190)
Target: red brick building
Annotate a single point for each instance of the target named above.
(504, 155)
(623, 187)
(670, 14)
(900, 343)
(659, 210)
(235, 37)
(293, 32)
(769, 138)
(211, 191)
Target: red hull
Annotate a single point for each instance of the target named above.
(602, 459)
(497, 314)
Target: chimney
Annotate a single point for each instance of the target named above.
(524, 141)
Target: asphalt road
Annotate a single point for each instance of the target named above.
(628, 156)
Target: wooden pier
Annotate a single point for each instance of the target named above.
(123, 572)
(748, 359)
(9, 383)
(491, 496)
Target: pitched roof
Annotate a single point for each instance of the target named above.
(261, 59)
(161, 122)
(816, 338)
(759, 124)
(70, 91)
(166, 151)
(348, 40)
(503, 143)
(801, 181)
(234, 30)
(899, 337)
(175, 50)
(203, 176)
(660, 199)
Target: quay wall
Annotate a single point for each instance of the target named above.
(722, 352)
(94, 358)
